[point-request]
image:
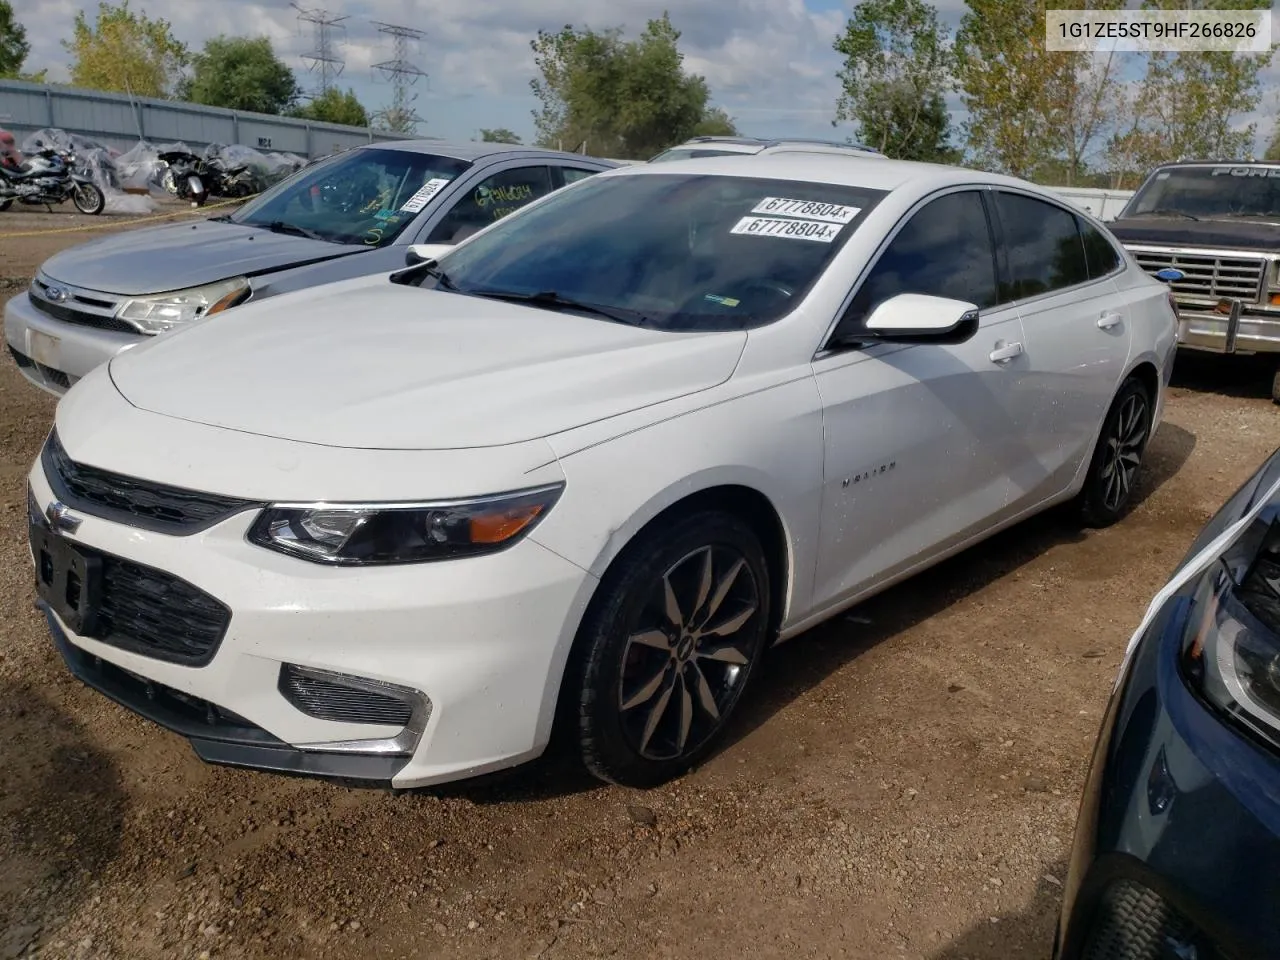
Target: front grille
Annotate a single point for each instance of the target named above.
(78, 308)
(139, 503)
(55, 377)
(1208, 276)
(155, 614)
(1135, 923)
(319, 696)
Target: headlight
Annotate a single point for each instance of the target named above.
(1231, 655)
(375, 534)
(166, 310)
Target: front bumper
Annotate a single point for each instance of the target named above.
(1247, 329)
(1177, 846)
(483, 641)
(54, 354)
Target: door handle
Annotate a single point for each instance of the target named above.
(1006, 353)
(1108, 320)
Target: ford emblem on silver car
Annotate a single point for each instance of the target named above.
(56, 294)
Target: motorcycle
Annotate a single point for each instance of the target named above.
(46, 178)
(182, 176)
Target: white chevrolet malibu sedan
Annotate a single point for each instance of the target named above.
(587, 466)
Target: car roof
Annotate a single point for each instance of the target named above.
(846, 169)
(473, 151)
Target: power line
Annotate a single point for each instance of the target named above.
(322, 58)
(402, 75)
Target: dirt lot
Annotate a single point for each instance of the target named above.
(902, 784)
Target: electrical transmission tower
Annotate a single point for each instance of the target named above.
(322, 58)
(400, 115)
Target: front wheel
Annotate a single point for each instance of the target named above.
(668, 648)
(5, 204)
(1117, 458)
(88, 198)
(1275, 379)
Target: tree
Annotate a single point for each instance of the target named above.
(334, 106)
(621, 98)
(716, 123)
(1188, 103)
(1030, 107)
(1273, 148)
(125, 52)
(240, 73)
(500, 135)
(396, 119)
(896, 73)
(13, 42)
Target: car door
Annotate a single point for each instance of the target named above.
(920, 440)
(1060, 275)
(489, 199)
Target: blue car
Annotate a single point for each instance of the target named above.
(1177, 847)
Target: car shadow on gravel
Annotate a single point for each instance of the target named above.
(1025, 935)
(1230, 376)
(806, 661)
(62, 806)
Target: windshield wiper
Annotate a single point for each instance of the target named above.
(279, 226)
(554, 301)
(1171, 213)
(222, 219)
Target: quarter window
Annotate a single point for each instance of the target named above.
(1099, 252)
(944, 250)
(492, 199)
(574, 174)
(1043, 245)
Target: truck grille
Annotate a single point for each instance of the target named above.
(128, 500)
(1208, 276)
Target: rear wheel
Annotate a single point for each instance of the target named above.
(1275, 379)
(1117, 458)
(669, 647)
(88, 198)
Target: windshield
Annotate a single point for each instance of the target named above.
(1210, 192)
(686, 153)
(365, 196)
(679, 252)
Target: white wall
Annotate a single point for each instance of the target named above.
(1103, 204)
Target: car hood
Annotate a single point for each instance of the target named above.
(176, 256)
(375, 365)
(1170, 231)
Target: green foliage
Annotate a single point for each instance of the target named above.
(1029, 106)
(716, 123)
(896, 74)
(620, 98)
(499, 135)
(1187, 104)
(126, 52)
(240, 73)
(1273, 148)
(334, 106)
(13, 42)
(396, 119)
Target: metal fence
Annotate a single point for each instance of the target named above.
(121, 121)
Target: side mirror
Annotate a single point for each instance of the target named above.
(918, 318)
(422, 252)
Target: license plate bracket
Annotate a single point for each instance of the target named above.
(45, 349)
(67, 580)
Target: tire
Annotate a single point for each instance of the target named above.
(5, 204)
(652, 697)
(1107, 493)
(88, 198)
(1275, 379)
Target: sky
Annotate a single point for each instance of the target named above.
(769, 63)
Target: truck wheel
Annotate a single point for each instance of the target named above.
(1275, 386)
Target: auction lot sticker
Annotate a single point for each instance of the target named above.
(808, 209)
(790, 229)
(425, 193)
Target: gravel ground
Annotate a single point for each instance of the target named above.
(902, 783)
